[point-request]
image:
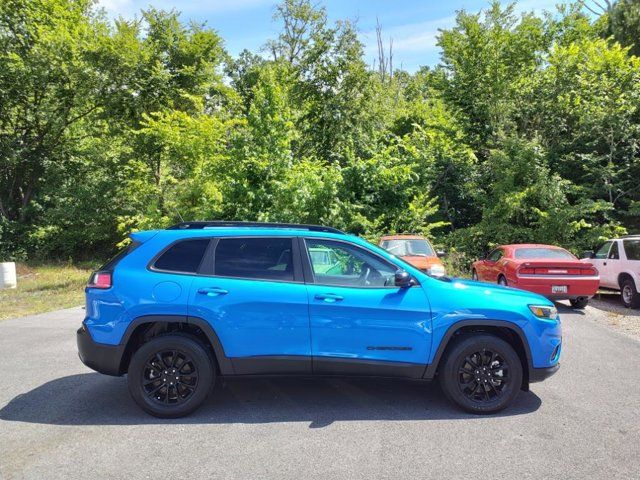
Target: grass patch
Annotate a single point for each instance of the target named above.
(42, 288)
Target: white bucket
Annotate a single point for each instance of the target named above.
(8, 277)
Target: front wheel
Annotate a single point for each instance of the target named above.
(630, 296)
(580, 302)
(481, 373)
(170, 375)
(474, 275)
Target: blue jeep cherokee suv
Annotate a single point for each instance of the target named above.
(182, 306)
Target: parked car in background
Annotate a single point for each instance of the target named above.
(416, 250)
(618, 262)
(545, 269)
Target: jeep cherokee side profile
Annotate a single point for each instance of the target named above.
(182, 306)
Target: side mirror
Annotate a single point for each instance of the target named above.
(588, 254)
(402, 279)
(441, 253)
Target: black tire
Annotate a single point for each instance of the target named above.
(502, 280)
(579, 303)
(178, 385)
(629, 294)
(467, 385)
(474, 275)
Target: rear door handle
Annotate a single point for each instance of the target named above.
(329, 297)
(212, 291)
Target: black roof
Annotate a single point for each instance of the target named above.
(223, 223)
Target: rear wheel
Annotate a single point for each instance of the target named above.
(170, 376)
(630, 296)
(502, 281)
(580, 302)
(481, 373)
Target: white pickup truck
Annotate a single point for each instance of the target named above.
(618, 262)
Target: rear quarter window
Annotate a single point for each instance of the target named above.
(184, 256)
(111, 264)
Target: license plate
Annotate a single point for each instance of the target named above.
(558, 289)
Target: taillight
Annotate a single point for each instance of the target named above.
(100, 280)
(526, 271)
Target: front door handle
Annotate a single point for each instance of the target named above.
(329, 297)
(212, 291)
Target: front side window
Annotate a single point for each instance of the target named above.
(632, 249)
(603, 251)
(412, 247)
(614, 253)
(254, 258)
(183, 256)
(338, 263)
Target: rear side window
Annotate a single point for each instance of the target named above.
(259, 258)
(632, 249)
(183, 256)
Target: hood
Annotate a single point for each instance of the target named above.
(491, 289)
(422, 262)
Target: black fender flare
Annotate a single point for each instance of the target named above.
(431, 369)
(226, 367)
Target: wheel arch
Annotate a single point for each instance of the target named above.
(145, 327)
(622, 276)
(508, 331)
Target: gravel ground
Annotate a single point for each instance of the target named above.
(60, 420)
(607, 309)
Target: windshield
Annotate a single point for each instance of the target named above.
(415, 247)
(543, 253)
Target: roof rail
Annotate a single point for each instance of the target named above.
(632, 235)
(223, 223)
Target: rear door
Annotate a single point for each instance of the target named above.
(254, 297)
(361, 323)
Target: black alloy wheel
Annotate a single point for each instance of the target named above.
(481, 373)
(171, 375)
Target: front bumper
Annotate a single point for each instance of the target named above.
(540, 374)
(97, 356)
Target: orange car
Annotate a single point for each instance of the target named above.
(416, 250)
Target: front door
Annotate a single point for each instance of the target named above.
(489, 267)
(606, 260)
(254, 297)
(361, 323)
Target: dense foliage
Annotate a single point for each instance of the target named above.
(527, 130)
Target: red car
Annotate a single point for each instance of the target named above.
(545, 269)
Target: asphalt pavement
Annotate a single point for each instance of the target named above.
(58, 419)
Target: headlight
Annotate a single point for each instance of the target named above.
(436, 270)
(544, 311)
